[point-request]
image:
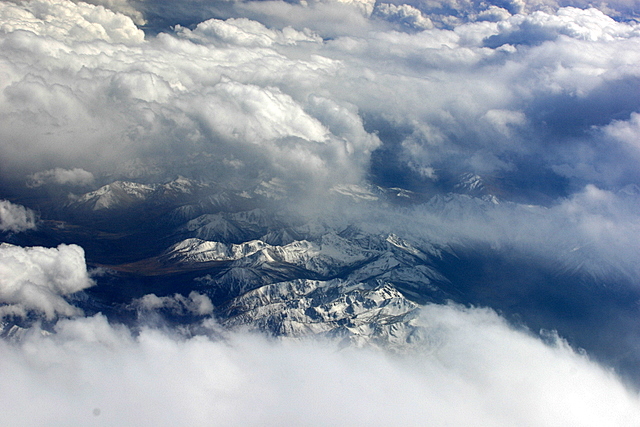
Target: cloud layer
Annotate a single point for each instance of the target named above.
(465, 366)
(91, 98)
(473, 369)
(593, 231)
(483, 97)
(533, 97)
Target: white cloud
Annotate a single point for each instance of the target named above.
(75, 176)
(121, 6)
(195, 304)
(289, 107)
(85, 102)
(535, 28)
(494, 14)
(366, 6)
(16, 218)
(251, 114)
(244, 32)
(404, 14)
(473, 370)
(593, 231)
(249, 99)
(330, 18)
(626, 132)
(35, 279)
(62, 19)
(504, 120)
(271, 96)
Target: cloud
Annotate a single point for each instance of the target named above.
(592, 231)
(503, 120)
(626, 131)
(36, 279)
(91, 89)
(300, 110)
(303, 104)
(473, 369)
(244, 32)
(194, 304)
(75, 176)
(16, 218)
(555, 103)
(78, 21)
(590, 24)
(494, 14)
(404, 14)
(121, 6)
(289, 110)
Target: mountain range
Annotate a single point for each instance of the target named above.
(268, 269)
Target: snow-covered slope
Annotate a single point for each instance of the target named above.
(357, 312)
(124, 194)
(118, 194)
(326, 257)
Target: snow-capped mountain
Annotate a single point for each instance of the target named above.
(234, 227)
(470, 183)
(358, 312)
(121, 195)
(353, 276)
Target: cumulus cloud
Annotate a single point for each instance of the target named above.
(36, 279)
(472, 369)
(404, 14)
(536, 28)
(75, 176)
(16, 218)
(201, 95)
(244, 32)
(626, 131)
(544, 103)
(194, 304)
(494, 13)
(621, 137)
(121, 6)
(458, 120)
(503, 120)
(77, 21)
(302, 105)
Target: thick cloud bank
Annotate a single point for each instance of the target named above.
(89, 96)
(36, 279)
(465, 366)
(536, 96)
(472, 370)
